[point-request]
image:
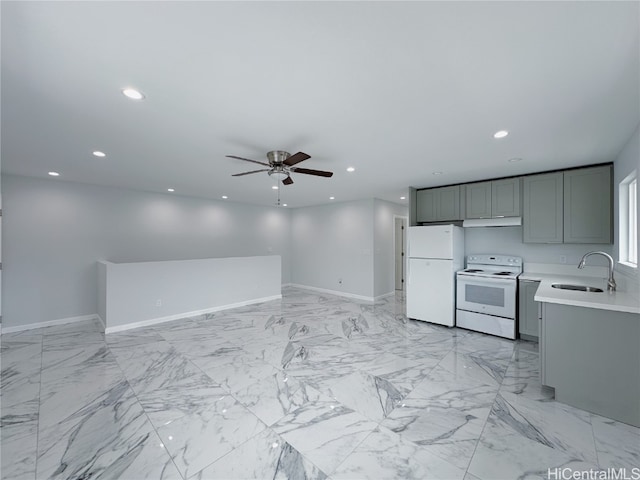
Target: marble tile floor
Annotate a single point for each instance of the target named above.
(309, 387)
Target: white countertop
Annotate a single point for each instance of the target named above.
(618, 301)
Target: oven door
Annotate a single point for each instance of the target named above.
(491, 296)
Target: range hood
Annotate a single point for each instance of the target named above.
(493, 222)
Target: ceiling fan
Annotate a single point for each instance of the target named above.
(281, 164)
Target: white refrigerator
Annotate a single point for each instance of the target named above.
(436, 253)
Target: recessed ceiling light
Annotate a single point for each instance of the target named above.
(98, 153)
(437, 173)
(515, 159)
(132, 93)
(284, 204)
(54, 174)
(351, 169)
(170, 190)
(224, 197)
(332, 198)
(403, 198)
(500, 134)
(275, 187)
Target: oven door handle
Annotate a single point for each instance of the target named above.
(486, 282)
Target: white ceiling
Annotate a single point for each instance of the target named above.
(397, 90)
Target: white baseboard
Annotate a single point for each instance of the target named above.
(169, 318)
(333, 292)
(385, 295)
(50, 323)
(340, 294)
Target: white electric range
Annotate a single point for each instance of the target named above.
(486, 294)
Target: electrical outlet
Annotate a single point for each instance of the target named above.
(563, 259)
(158, 302)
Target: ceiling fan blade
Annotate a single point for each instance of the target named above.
(318, 173)
(287, 181)
(249, 160)
(253, 171)
(296, 158)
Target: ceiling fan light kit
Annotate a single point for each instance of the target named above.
(281, 164)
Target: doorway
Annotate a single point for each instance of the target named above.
(400, 247)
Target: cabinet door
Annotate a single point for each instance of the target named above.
(528, 309)
(587, 205)
(478, 200)
(426, 205)
(505, 198)
(542, 215)
(448, 203)
(542, 345)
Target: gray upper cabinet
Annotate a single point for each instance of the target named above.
(426, 205)
(438, 204)
(448, 206)
(569, 207)
(587, 205)
(478, 200)
(572, 206)
(543, 213)
(505, 198)
(498, 198)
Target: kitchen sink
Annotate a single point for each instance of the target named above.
(580, 288)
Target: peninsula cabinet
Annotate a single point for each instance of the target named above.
(494, 199)
(573, 206)
(591, 357)
(438, 204)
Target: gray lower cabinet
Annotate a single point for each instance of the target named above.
(528, 310)
(542, 216)
(591, 358)
(438, 204)
(587, 205)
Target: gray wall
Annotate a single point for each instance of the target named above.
(55, 231)
(352, 241)
(508, 241)
(383, 244)
(332, 242)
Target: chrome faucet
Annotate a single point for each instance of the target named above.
(611, 283)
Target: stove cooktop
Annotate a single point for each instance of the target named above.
(485, 273)
(502, 266)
